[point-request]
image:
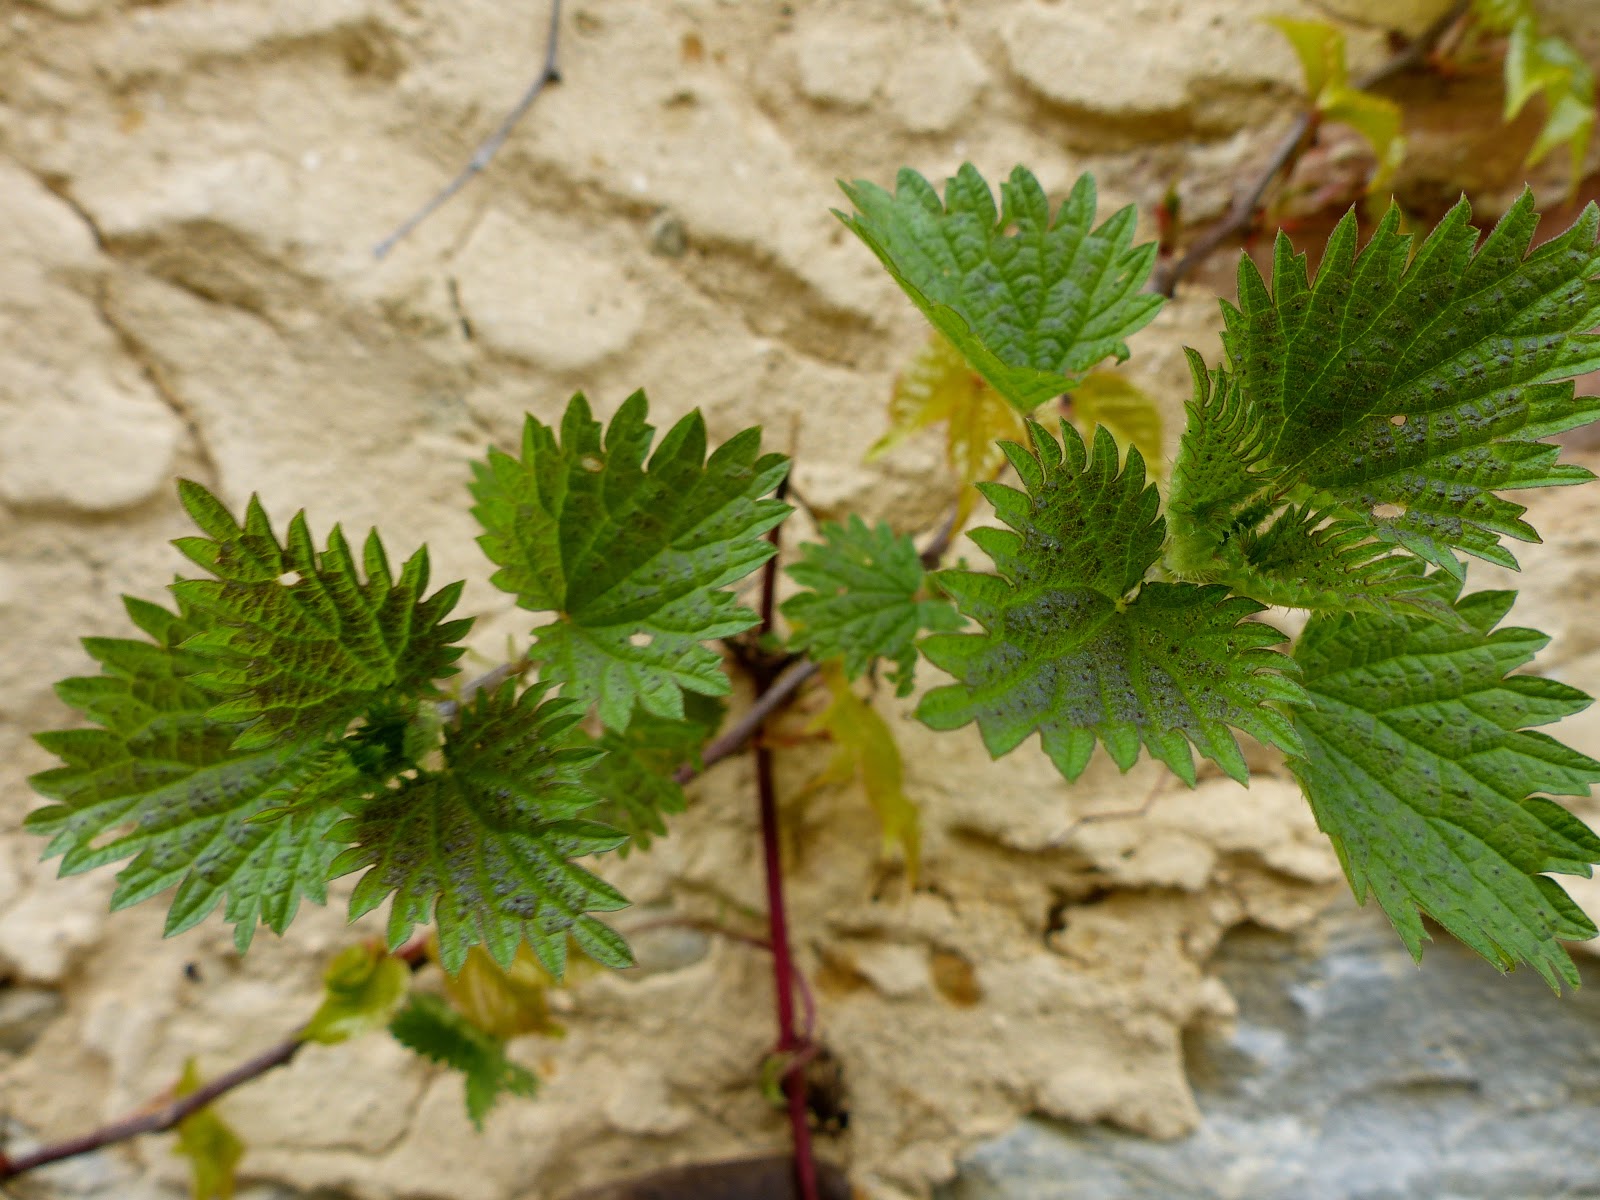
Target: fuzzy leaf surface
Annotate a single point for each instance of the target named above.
(1079, 648)
(1420, 766)
(430, 1027)
(484, 847)
(632, 558)
(1031, 309)
(1423, 383)
(300, 642)
(634, 777)
(861, 600)
(159, 781)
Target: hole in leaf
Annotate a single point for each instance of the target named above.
(1398, 419)
(592, 463)
(289, 578)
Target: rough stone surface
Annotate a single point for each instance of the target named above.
(190, 193)
(1348, 1072)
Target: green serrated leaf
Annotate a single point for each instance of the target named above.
(861, 603)
(485, 846)
(1321, 560)
(300, 644)
(213, 1149)
(1420, 766)
(431, 1028)
(1031, 302)
(1080, 649)
(164, 784)
(362, 989)
(631, 558)
(1423, 383)
(634, 777)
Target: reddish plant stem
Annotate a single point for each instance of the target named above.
(790, 1042)
(158, 1119)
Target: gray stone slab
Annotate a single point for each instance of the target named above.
(1351, 1075)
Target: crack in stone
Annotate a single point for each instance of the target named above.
(156, 376)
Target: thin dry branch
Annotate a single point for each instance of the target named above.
(158, 1119)
(1242, 214)
(548, 73)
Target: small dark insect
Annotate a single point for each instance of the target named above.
(827, 1095)
(191, 972)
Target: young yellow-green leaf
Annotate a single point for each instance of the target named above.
(1032, 303)
(633, 559)
(633, 778)
(504, 1002)
(865, 750)
(1320, 48)
(1109, 398)
(861, 603)
(430, 1027)
(1550, 65)
(1377, 120)
(206, 1140)
(1419, 382)
(940, 388)
(1419, 765)
(1077, 647)
(362, 989)
(163, 783)
(485, 846)
(300, 643)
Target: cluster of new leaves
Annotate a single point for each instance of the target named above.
(1364, 420)
(1539, 63)
(1320, 47)
(285, 725)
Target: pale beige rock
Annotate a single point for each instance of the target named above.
(932, 85)
(540, 296)
(47, 931)
(93, 442)
(839, 63)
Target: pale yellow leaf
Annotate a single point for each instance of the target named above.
(865, 750)
(210, 1145)
(1106, 397)
(506, 1002)
(938, 387)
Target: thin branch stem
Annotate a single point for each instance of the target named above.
(790, 1042)
(155, 1120)
(1241, 214)
(548, 73)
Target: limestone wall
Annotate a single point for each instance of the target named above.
(189, 195)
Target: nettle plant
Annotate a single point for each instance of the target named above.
(288, 722)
